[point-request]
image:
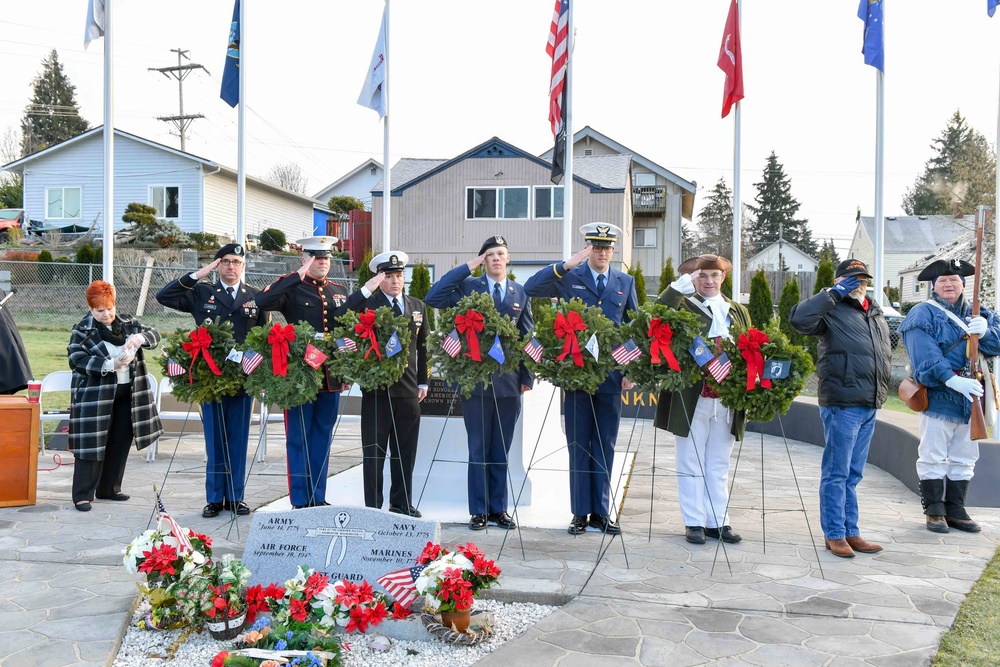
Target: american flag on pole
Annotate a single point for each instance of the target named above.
(627, 352)
(251, 360)
(558, 49)
(452, 344)
(173, 368)
(175, 530)
(346, 345)
(402, 584)
(534, 350)
(720, 367)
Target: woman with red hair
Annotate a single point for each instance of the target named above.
(112, 400)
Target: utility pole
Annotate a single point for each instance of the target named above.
(180, 72)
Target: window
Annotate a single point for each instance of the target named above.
(548, 201)
(166, 200)
(645, 237)
(800, 267)
(644, 179)
(496, 203)
(918, 287)
(62, 203)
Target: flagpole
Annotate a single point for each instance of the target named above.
(241, 141)
(387, 176)
(996, 224)
(567, 244)
(109, 151)
(879, 182)
(737, 274)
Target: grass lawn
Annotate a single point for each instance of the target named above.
(974, 639)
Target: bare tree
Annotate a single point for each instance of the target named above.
(289, 176)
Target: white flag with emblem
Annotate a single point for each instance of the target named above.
(592, 347)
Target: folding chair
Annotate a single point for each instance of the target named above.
(58, 381)
(166, 386)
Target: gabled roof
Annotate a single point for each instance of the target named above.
(413, 171)
(918, 233)
(370, 162)
(962, 247)
(786, 244)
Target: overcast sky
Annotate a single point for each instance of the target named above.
(464, 71)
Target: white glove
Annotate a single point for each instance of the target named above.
(965, 386)
(978, 326)
(135, 341)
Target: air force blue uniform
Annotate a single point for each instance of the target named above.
(491, 412)
(227, 421)
(591, 419)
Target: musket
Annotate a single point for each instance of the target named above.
(977, 421)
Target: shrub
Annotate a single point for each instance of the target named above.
(824, 276)
(640, 283)
(789, 297)
(727, 287)
(272, 239)
(204, 240)
(364, 273)
(420, 285)
(761, 306)
(45, 267)
(85, 254)
(20, 256)
(668, 276)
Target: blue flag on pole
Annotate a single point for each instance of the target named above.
(991, 6)
(497, 351)
(392, 347)
(231, 73)
(699, 350)
(870, 11)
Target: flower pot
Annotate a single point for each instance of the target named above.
(226, 628)
(458, 620)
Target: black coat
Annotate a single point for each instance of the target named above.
(207, 301)
(416, 312)
(15, 371)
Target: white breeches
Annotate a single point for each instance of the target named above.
(703, 465)
(945, 450)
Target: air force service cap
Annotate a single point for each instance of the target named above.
(230, 249)
(493, 242)
(317, 246)
(601, 234)
(390, 261)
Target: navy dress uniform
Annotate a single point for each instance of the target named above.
(591, 419)
(390, 417)
(309, 427)
(491, 412)
(226, 422)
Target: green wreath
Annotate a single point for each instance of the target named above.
(660, 377)
(566, 374)
(199, 384)
(760, 404)
(462, 369)
(365, 365)
(301, 382)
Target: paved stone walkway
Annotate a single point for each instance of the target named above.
(653, 599)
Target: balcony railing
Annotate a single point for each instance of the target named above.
(649, 200)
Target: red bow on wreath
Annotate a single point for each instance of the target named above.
(366, 329)
(660, 337)
(200, 340)
(279, 337)
(749, 344)
(566, 327)
(470, 324)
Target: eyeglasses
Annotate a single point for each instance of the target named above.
(232, 262)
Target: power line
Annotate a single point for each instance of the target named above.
(181, 121)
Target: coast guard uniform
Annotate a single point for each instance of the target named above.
(227, 421)
(491, 412)
(591, 419)
(309, 427)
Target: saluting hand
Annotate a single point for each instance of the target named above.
(304, 269)
(374, 282)
(473, 263)
(207, 269)
(577, 259)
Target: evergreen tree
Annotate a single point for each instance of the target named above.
(667, 276)
(761, 304)
(829, 253)
(789, 297)
(640, 283)
(344, 204)
(960, 176)
(775, 211)
(727, 287)
(689, 244)
(364, 273)
(420, 285)
(715, 222)
(53, 114)
(824, 275)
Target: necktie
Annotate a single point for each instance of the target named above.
(396, 309)
(232, 292)
(497, 297)
(600, 283)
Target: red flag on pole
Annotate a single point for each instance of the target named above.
(731, 60)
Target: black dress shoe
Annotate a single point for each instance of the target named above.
(212, 510)
(411, 511)
(694, 534)
(577, 525)
(477, 522)
(602, 522)
(83, 507)
(121, 497)
(502, 519)
(728, 535)
(240, 507)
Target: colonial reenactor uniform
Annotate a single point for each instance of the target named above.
(390, 418)
(227, 421)
(704, 428)
(491, 412)
(936, 334)
(591, 419)
(309, 427)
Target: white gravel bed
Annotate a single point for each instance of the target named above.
(149, 648)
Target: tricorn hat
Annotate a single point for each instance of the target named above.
(946, 267)
(705, 263)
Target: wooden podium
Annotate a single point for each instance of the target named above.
(18, 451)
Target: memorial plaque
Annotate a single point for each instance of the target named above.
(636, 404)
(443, 400)
(352, 543)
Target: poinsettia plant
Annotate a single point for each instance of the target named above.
(451, 580)
(310, 598)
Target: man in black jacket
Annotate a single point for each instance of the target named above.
(390, 418)
(853, 370)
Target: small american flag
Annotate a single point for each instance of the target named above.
(720, 367)
(173, 368)
(346, 345)
(627, 352)
(534, 350)
(402, 584)
(175, 530)
(452, 344)
(251, 360)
